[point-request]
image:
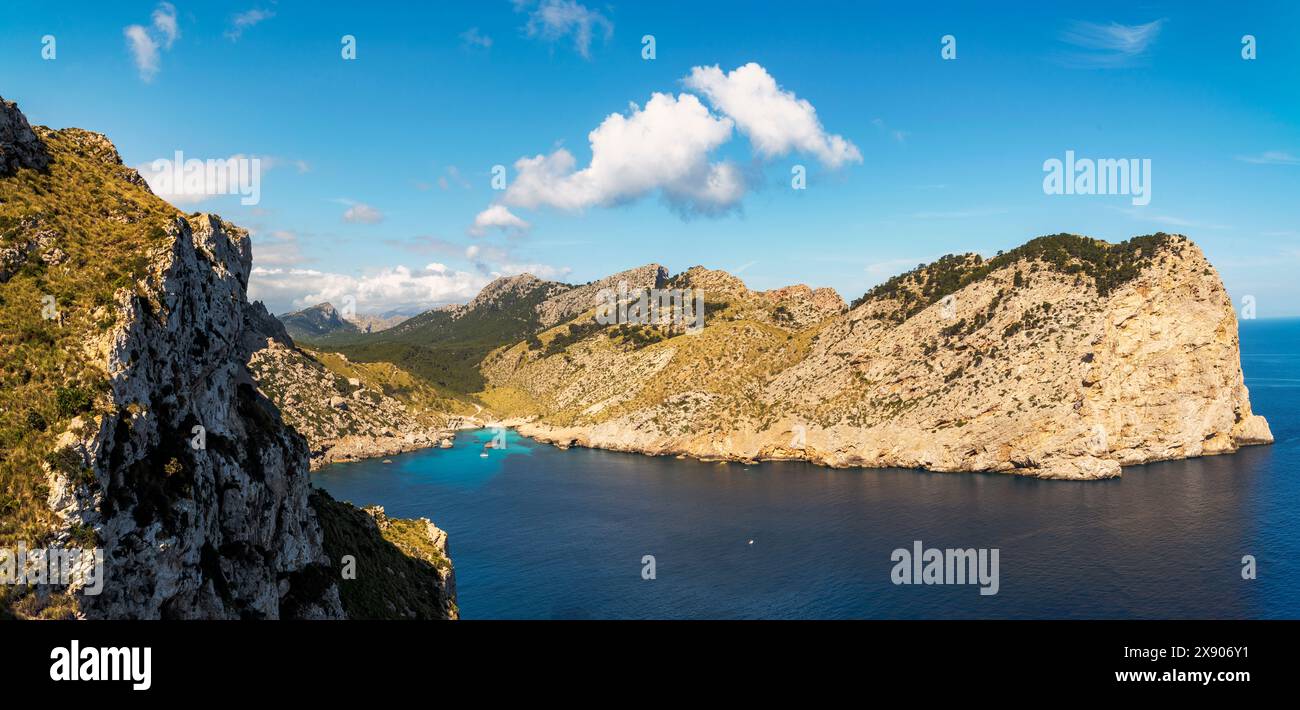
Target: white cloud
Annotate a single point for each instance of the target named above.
(361, 213)
(775, 120)
(144, 50)
(244, 20)
(553, 20)
(164, 20)
(664, 146)
(1110, 45)
(473, 38)
(277, 248)
(1270, 157)
(497, 217)
(398, 288)
(667, 147)
(145, 46)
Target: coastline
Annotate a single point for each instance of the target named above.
(360, 448)
(767, 447)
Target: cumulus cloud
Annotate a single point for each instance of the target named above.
(245, 20)
(667, 148)
(553, 20)
(497, 217)
(146, 46)
(775, 120)
(398, 288)
(664, 146)
(361, 213)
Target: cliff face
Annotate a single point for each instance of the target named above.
(1067, 358)
(130, 419)
(221, 530)
(19, 146)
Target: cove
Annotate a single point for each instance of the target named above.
(539, 533)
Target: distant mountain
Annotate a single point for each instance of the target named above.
(445, 345)
(373, 323)
(318, 321)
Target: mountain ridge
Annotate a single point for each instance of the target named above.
(917, 360)
(895, 381)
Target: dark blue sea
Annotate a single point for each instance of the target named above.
(541, 533)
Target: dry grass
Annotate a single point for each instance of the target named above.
(108, 230)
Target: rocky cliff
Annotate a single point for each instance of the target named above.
(1065, 358)
(351, 411)
(129, 418)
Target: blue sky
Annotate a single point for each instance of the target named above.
(375, 169)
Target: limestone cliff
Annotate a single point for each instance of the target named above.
(210, 527)
(129, 418)
(1065, 358)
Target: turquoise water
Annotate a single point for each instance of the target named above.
(537, 532)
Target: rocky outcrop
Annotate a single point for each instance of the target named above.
(37, 241)
(1067, 358)
(572, 302)
(19, 146)
(197, 491)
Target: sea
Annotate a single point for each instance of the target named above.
(537, 532)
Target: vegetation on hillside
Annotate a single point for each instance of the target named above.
(1105, 266)
(418, 394)
(86, 232)
(397, 567)
(446, 347)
